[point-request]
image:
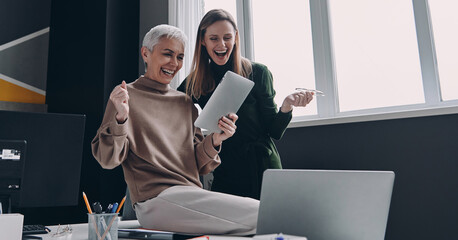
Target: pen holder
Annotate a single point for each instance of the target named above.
(103, 226)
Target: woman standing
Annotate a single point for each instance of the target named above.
(251, 150)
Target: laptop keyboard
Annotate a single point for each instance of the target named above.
(35, 229)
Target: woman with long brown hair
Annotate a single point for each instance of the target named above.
(246, 155)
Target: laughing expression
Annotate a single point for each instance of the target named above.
(164, 61)
(219, 41)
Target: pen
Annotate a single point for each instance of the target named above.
(122, 203)
(87, 203)
(97, 207)
(110, 206)
(115, 207)
(279, 237)
(317, 92)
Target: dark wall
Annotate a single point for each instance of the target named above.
(152, 13)
(93, 46)
(422, 151)
(26, 17)
(24, 28)
(121, 52)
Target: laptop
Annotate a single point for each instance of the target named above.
(325, 204)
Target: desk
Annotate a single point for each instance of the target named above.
(79, 232)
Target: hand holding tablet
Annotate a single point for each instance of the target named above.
(227, 98)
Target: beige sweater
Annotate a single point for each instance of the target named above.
(158, 146)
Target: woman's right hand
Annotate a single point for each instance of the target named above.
(120, 99)
(227, 126)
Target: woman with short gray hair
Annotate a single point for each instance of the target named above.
(148, 129)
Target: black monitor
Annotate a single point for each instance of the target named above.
(12, 157)
(49, 166)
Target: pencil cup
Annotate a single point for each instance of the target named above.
(103, 226)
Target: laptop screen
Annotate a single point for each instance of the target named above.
(325, 204)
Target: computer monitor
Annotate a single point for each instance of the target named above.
(12, 157)
(50, 174)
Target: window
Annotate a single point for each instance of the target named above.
(376, 54)
(283, 42)
(228, 5)
(373, 59)
(444, 22)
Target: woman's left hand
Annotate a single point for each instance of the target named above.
(227, 125)
(297, 99)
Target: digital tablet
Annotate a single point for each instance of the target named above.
(227, 98)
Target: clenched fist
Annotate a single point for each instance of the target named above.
(120, 99)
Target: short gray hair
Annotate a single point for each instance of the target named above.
(156, 33)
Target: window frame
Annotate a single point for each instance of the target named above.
(328, 107)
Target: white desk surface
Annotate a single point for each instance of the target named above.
(79, 232)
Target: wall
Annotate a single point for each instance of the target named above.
(152, 13)
(93, 46)
(75, 85)
(422, 151)
(24, 54)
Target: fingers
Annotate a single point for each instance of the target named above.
(120, 94)
(301, 99)
(306, 99)
(233, 116)
(227, 125)
(297, 98)
(309, 97)
(120, 99)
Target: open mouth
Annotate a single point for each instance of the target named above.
(167, 71)
(220, 53)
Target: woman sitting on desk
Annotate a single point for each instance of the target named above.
(148, 129)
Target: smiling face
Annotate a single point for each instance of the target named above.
(164, 61)
(219, 41)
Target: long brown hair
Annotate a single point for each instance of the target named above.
(200, 81)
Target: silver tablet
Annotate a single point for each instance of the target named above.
(227, 98)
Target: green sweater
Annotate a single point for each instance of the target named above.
(251, 150)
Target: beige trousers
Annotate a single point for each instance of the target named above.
(188, 209)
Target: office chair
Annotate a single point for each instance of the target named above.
(128, 213)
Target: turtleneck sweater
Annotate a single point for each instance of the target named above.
(157, 146)
(219, 71)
